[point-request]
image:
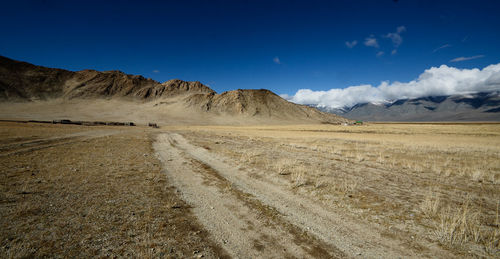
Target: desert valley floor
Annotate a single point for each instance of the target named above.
(323, 191)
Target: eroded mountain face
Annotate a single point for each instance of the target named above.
(24, 82)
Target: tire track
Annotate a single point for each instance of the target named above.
(37, 144)
(337, 233)
(238, 221)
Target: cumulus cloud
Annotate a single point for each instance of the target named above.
(394, 51)
(351, 44)
(442, 47)
(371, 42)
(435, 81)
(380, 54)
(277, 60)
(286, 96)
(466, 58)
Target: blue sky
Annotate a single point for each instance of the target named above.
(283, 46)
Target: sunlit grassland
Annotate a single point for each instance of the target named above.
(438, 182)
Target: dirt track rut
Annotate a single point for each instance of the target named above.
(252, 218)
(28, 145)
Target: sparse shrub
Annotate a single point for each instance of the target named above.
(249, 156)
(283, 166)
(458, 226)
(299, 176)
(346, 186)
(430, 205)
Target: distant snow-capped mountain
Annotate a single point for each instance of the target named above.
(469, 107)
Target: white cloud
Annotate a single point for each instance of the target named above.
(371, 42)
(443, 80)
(400, 29)
(156, 71)
(442, 47)
(285, 96)
(396, 36)
(380, 54)
(394, 51)
(466, 58)
(277, 60)
(351, 44)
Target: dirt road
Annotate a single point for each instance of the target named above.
(251, 217)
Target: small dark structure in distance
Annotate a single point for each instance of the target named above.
(153, 125)
(93, 123)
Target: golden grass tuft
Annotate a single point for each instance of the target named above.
(299, 175)
(459, 225)
(430, 205)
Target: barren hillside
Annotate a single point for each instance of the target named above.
(22, 81)
(28, 91)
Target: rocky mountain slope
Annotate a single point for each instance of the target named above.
(21, 82)
(253, 103)
(471, 107)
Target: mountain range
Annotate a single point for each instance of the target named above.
(29, 91)
(484, 106)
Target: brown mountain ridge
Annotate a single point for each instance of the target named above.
(35, 92)
(24, 81)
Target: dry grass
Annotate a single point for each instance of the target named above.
(439, 183)
(91, 197)
(299, 175)
(107, 196)
(459, 226)
(284, 166)
(431, 205)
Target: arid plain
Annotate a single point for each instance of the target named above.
(373, 190)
